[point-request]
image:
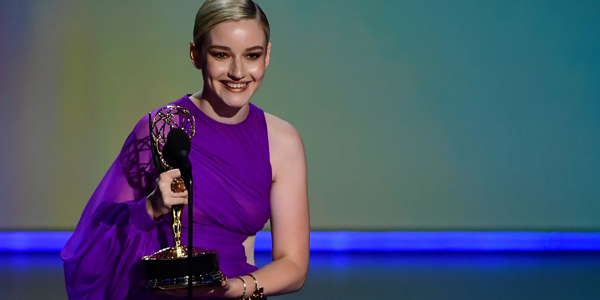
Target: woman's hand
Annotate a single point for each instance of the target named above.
(160, 201)
(231, 289)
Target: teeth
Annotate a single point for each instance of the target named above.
(236, 85)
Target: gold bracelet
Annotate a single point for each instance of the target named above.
(258, 293)
(244, 293)
(255, 282)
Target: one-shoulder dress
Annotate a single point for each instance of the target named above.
(232, 180)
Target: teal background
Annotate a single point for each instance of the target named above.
(416, 115)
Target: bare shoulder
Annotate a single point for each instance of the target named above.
(281, 131)
(285, 142)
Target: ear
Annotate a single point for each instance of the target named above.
(268, 56)
(195, 56)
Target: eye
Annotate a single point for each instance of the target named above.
(254, 56)
(220, 55)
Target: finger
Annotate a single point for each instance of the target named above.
(180, 201)
(178, 196)
(171, 174)
(183, 195)
(174, 173)
(175, 201)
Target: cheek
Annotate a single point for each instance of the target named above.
(257, 71)
(216, 69)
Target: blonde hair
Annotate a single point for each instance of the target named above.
(214, 12)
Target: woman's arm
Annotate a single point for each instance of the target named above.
(290, 227)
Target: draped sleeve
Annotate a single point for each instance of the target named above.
(115, 229)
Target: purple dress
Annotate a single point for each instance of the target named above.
(232, 181)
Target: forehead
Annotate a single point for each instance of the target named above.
(233, 34)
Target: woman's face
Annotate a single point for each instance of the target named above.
(233, 61)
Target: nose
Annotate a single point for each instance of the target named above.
(236, 69)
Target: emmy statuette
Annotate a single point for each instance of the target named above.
(169, 268)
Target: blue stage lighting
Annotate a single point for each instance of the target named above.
(340, 241)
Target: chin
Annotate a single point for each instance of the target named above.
(235, 101)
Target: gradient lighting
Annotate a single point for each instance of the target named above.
(21, 241)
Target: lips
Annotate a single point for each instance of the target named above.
(236, 87)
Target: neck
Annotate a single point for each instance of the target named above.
(218, 110)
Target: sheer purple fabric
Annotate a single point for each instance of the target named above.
(232, 181)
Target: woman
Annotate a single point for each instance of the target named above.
(248, 167)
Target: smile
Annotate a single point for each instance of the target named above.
(235, 87)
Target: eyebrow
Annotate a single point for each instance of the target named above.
(255, 48)
(229, 49)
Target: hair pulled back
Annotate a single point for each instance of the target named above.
(214, 12)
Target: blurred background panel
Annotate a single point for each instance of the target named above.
(416, 115)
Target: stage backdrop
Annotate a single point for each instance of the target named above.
(416, 115)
